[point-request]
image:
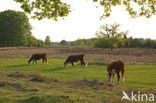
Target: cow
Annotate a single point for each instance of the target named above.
(38, 56)
(75, 58)
(116, 67)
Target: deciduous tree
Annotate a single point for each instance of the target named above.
(110, 36)
(15, 29)
(47, 41)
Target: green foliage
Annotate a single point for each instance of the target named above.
(108, 42)
(147, 8)
(56, 8)
(47, 41)
(79, 42)
(110, 36)
(90, 42)
(104, 43)
(39, 43)
(63, 42)
(15, 29)
(142, 43)
(45, 8)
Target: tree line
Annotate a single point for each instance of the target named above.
(107, 43)
(109, 36)
(15, 30)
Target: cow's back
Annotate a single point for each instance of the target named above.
(117, 65)
(76, 58)
(38, 56)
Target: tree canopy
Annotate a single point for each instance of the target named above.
(109, 36)
(45, 8)
(15, 29)
(52, 9)
(47, 41)
(63, 42)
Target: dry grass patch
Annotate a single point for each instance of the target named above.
(95, 84)
(18, 74)
(4, 83)
(31, 76)
(39, 78)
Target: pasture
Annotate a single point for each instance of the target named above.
(52, 83)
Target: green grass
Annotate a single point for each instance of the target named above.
(22, 90)
(140, 76)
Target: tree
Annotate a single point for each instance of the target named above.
(31, 41)
(56, 8)
(91, 42)
(39, 43)
(15, 29)
(103, 43)
(47, 41)
(79, 42)
(63, 42)
(110, 36)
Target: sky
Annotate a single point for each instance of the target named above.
(84, 21)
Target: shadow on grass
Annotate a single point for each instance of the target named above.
(97, 63)
(21, 65)
(54, 69)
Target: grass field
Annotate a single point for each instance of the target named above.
(69, 85)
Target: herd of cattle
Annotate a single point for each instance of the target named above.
(115, 67)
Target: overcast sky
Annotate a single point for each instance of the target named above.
(84, 21)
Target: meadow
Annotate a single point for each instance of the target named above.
(52, 83)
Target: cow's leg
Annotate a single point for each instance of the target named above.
(118, 75)
(113, 77)
(84, 64)
(36, 61)
(46, 61)
(81, 64)
(33, 62)
(72, 64)
(123, 78)
(42, 61)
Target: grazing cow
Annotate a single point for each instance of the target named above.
(38, 56)
(115, 67)
(75, 58)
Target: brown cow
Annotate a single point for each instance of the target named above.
(75, 58)
(115, 67)
(38, 56)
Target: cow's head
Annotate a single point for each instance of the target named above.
(29, 61)
(65, 64)
(109, 77)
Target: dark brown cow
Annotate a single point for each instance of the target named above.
(116, 67)
(38, 56)
(75, 58)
